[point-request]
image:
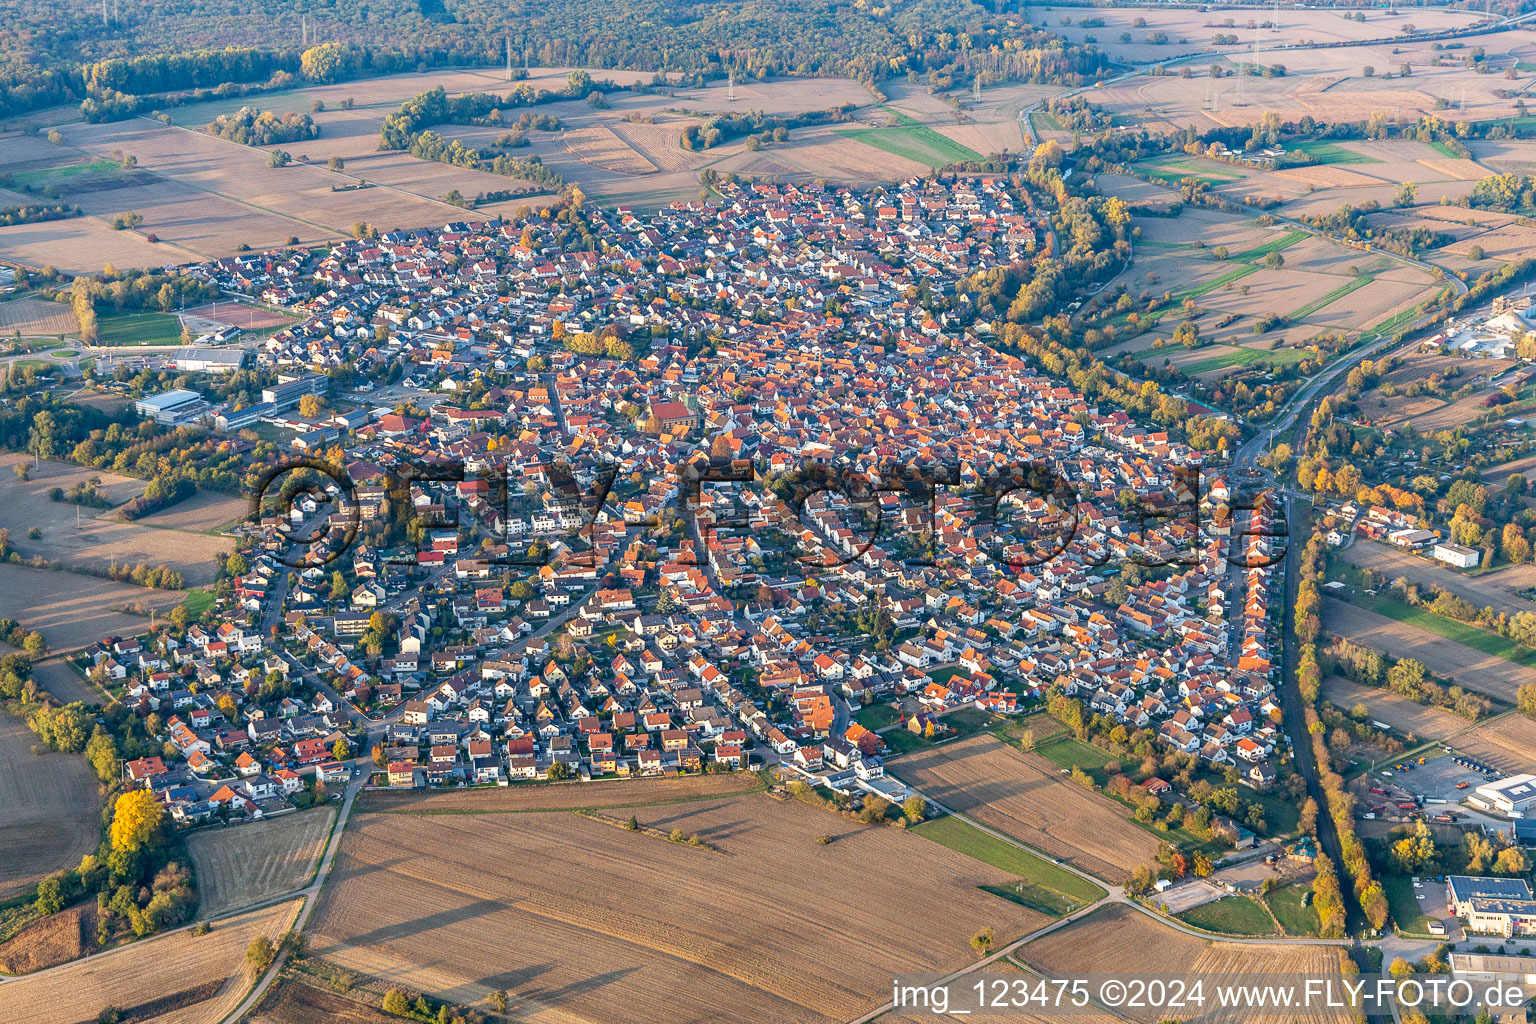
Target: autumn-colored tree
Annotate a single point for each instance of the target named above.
(260, 954)
(137, 818)
(983, 941)
(341, 751)
(1203, 866)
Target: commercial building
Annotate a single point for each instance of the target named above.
(172, 408)
(1492, 906)
(1459, 555)
(288, 392)
(210, 360)
(1485, 967)
(1512, 796)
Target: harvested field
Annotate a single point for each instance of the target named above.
(1397, 711)
(1485, 673)
(48, 809)
(559, 796)
(241, 865)
(67, 935)
(1190, 29)
(102, 538)
(1391, 562)
(291, 1001)
(83, 245)
(600, 147)
(173, 979)
(34, 317)
(1508, 743)
(205, 511)
(762, 928)
(1026, 797)
(1137, 944)
(59, 678)
(72, 610)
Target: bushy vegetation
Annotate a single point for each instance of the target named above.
(251, 127)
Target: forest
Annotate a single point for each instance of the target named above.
(59, 51)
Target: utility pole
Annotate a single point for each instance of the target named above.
(509, 58)
(730, 87)
(976, 89)
(104, 12)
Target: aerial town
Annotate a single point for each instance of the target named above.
(823, 516)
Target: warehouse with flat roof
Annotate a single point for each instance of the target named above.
(209, 360)
(172, 408)
(1512, 796)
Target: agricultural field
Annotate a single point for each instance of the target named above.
(559, 796)
(291, 1001)
(1391, 562)
(1474, 669)
(1026, 797)
(665, 929)
(1428, 411)
(1402, 714)
(48, 809)
(59, 678)
(1138, 944)
(246, 864)
(1321, 288)
(1507, 743)
(72, 610)
(1328, 84)
(102, 538)
(1191, 30)
(181, 977)
(37, 318)
(204, 512)
(201, 197)
(67, 935)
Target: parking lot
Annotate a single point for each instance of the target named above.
(1436, 780)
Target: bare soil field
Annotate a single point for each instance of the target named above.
(1327, 84)
(101, 539)
(558, 796)
(600, 147)
(208, 973)
(71, 609)
(1137, 944)
(1473, 669)
(1397, 711)
(1191, 30)
(34, 318)
(1506, 156)
(83, 245)
(204, 512)
(1392, 562)
(762, 928)
(1508, 743)
(57, 677)
(1027, 797)
(48, 809)
(291, 1001)
(244, 864)
(67, 935)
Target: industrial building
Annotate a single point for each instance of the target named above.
(1492, 906)
(172, 408)
(1512, 796)
(287, 393)
(209, 360)
(1486, 967)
